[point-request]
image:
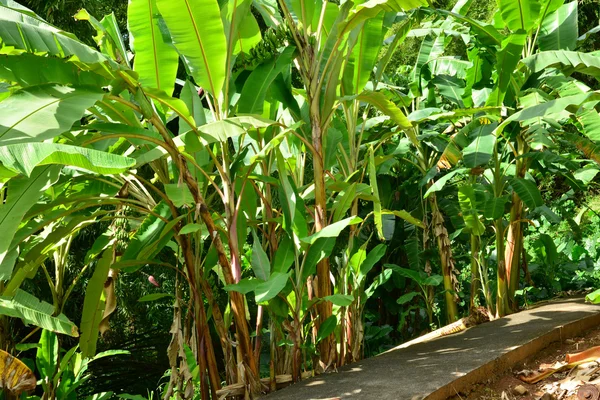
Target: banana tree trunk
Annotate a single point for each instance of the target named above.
(358, 335)
(502, 307)
(514, 242)
(237, 299)
(475, 283)
(219, 322)
(446, 259)
(430, 290)
(349, 329)
(327, 348)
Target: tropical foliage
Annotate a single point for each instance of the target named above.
(302, 191)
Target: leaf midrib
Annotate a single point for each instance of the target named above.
(22, 194)
(154, 45)
(202, 50)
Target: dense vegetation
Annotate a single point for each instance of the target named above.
(202, 198)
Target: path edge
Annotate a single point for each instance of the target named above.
(508, 360)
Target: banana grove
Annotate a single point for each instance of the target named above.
(275, 157)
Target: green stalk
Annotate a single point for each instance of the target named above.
(515, 229)
(502, 288)
(475, 282)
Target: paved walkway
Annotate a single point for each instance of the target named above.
(449, 365)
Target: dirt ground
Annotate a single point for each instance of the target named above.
(554, 387)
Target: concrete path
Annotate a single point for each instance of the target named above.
(446, 366)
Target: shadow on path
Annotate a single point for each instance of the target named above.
(417, 371)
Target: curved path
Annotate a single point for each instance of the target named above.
(446, 366)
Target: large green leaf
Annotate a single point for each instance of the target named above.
(319, 250)
(416, 276)
(332, 230)
(292, 203)
(197, 32)
(493, 207)
(23, 193)
(31, 34)
(108, 37)
(343, 202)
(248, 34)
(440, 183)
(260, 261)
(527, 191)
(559, 29)
(486, 33)
(155, 59)
(405, 215)
(24, 157)
(269, 10)
(519, 14)
(477, 76)
(379, 280)
(220, 131)
(8, 263)
(179, 194)
(377, 215)
(177, 105)
(93, 306)
(431, 48)
(265, 291)
(414, 252)
(453, 152)
(372, 258)
(550, 107)
(148, 232)
(284, 256)
(32, 70)
(302, 11)
(42, 112)
(506, 61)
(590, 123)
(547, 7)
(402, 29)
(363, 56)
(112, 33)
(342, 300)
(372, 8)
(193, 102)
(479, 152)
(405, 298)
(20, 8)
(546, 246)
(326, 328)
(46, 356)
(256, 86)
(566, 61)
(35, 312)
(588, 34)
(240, 27)
(593, 297)
(378, 100)
(244, 286)
(451, 88)
(466, 199)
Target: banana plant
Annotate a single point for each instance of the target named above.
(242, 159)
(523, 129)
(130, 117)
(336, 51)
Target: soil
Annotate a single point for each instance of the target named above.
(503, 386)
